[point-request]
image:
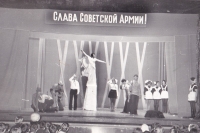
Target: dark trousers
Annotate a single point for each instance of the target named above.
(193, 108)
(133, 104)
(156, 104)
(126, 107)
(73, 94)
(49, 103)
(44, 107)
(112, 104)
(41, 106)
(49, 106)
(34, 108)
(165, 105)
(60, 105)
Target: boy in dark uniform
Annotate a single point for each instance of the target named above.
(124, 86)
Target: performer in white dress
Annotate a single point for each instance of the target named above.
(90, 101)
(164, 96)
(156, 95)
(148, 93)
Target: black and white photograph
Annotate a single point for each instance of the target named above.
(100, 66)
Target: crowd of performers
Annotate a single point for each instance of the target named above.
(54, 102)
(48, 103)
(153, 91)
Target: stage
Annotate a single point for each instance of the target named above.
(102, 116)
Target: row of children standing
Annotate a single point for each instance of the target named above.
(153, 91)
(133, 93)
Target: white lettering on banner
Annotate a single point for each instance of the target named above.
(75, 18)
(121, 19)
(115, 18)
(55, 16)
(101, 18)
(132, 19)
(94, 18)
(81, 17)
(64, 17)
(97, 18)
(106, 19)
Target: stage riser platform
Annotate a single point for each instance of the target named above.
(99, 117)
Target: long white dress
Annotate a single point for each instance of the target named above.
(90, 101)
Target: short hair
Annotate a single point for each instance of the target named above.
(92, 55)
(53, 128)
(51, 89)
(193, 130)
(135, 75)
(42, 124)
(137, 130)
(123, 80)
(159, 129)
(192, 78)
(165, 81)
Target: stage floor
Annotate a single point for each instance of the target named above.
(102, 116)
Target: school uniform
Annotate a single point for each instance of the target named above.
(164, 97)
(148, 95)
(192, 97)
(74, 91)
(156, 97)
(147, 92)
(113, 94)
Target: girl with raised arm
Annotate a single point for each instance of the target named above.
(90, 101)
(113, 93)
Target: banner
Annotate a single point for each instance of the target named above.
(96, 18)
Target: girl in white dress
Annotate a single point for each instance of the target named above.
(90, 101)
(156, 95)
(148, 93)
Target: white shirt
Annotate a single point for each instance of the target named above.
(125, 86)
(112, 86)
(43, 97)
(74, 84)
